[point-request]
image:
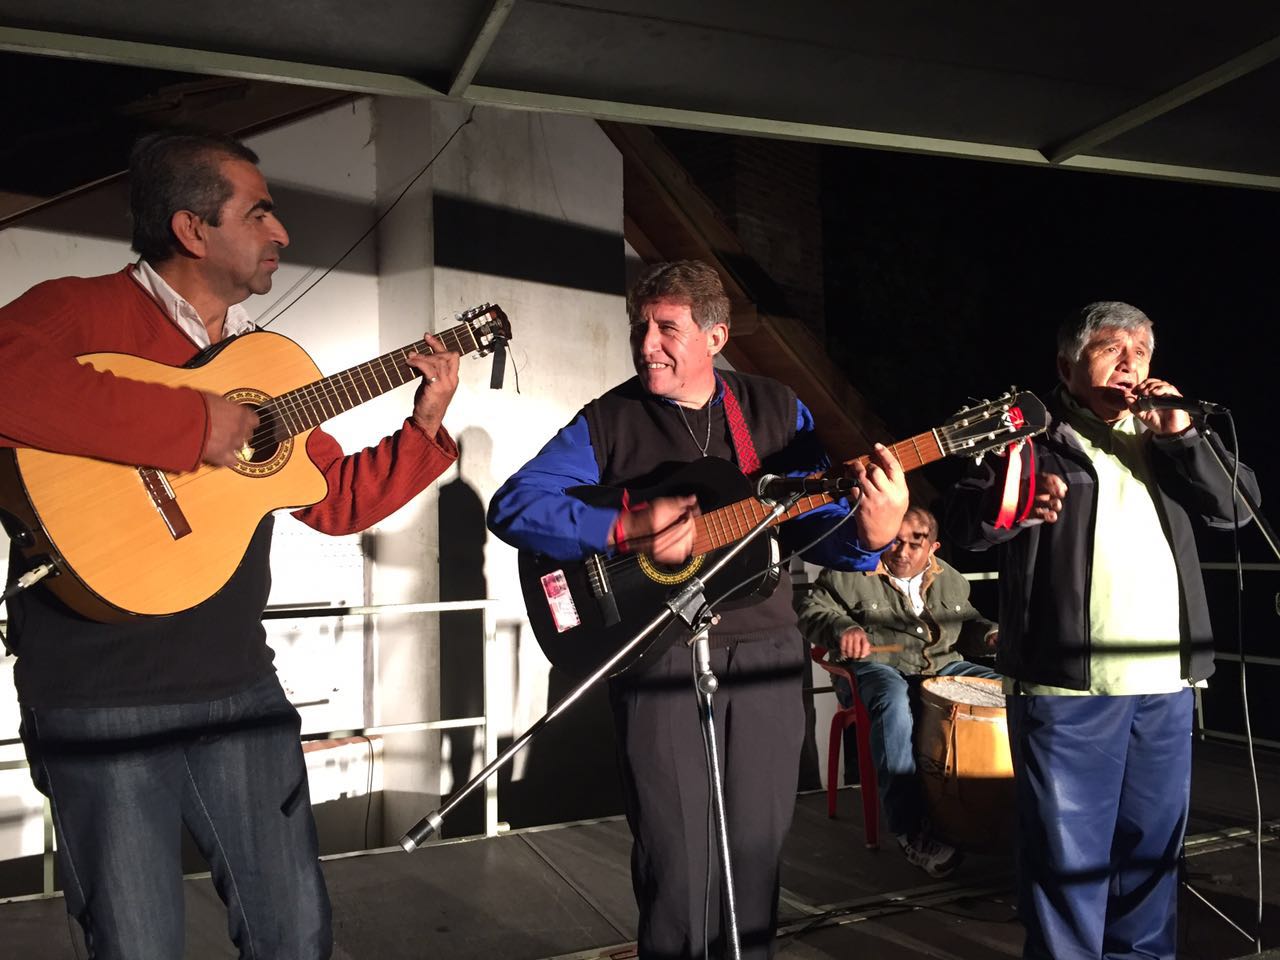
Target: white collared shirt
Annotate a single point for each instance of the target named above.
(183, 313)
(911, 588)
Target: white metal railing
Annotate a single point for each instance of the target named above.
(291, 612)
(491, 818)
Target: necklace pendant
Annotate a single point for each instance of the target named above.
(705, 445)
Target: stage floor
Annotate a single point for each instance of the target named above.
(564, 892)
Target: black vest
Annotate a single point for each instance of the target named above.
(639, 438)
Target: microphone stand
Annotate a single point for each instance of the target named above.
(1215, 446)
(1252, 507)
(689, 605)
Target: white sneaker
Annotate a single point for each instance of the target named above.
(934, 857)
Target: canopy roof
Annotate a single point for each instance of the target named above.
(1174, 89)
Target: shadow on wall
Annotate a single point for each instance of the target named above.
(568, 772)
(462, 539)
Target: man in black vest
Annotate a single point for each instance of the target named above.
(678, 409)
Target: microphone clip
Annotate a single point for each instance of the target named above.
(775, 488)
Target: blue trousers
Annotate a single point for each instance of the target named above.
(891, 698)
(123, 780)
(1103, 787)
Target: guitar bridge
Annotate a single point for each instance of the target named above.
(165, 501)
(598, 580)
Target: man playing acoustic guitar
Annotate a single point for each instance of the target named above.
(134, 728)
(679, 409)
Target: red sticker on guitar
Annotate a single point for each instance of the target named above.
(560, 601)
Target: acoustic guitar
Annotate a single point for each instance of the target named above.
(131, 542)
(582, 612)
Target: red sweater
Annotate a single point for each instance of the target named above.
(53, 402)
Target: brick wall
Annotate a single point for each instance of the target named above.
(769, 194)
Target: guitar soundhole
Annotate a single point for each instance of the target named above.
(669, 573)
(264, 454)
(269, 451)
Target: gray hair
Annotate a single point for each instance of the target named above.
(691, 283)
(1077, 331)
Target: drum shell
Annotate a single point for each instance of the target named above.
(965, 769)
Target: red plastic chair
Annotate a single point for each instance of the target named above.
(857, 717)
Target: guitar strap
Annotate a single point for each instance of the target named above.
(1009, 514)
(744, 448)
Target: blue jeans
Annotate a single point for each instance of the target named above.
(891, 699)
(123, 780)
(1103, 793)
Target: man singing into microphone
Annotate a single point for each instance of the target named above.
(1104, 629)
(680, 408)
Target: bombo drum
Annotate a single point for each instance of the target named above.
(962, 755)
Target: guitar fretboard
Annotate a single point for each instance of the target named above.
(731, 523)
(299, 410)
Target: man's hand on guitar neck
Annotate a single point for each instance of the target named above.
(884, 497)
(439, 382)
(231, 426)
(662, 528)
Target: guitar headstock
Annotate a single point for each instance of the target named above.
(992, 425)
(489, 326)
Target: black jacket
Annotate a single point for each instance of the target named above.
(1045, 569)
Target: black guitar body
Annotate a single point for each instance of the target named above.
(584, 611)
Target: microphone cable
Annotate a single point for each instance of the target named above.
(786, 559)
(1256, 936)
(706, 745)
(360, 239)
(1244, 684)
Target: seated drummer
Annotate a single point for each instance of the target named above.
(917, 606)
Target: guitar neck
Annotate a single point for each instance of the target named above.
(731, 523)
(308, 406)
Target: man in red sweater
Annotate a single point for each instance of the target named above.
(134, 729)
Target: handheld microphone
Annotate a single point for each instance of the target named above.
(773, 487)
(1178, 403)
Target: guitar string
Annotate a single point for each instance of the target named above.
(947, 447)
(297, 405)
(724, 516)
(296, 402)
(781, 562)
(300, 404)
(786, 559)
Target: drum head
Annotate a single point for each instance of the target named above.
(968, 691)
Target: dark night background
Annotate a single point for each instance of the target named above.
(946, 279)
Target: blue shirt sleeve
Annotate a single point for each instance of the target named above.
(533, 511)
(841, 550)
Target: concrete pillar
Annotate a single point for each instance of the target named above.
(403, 650)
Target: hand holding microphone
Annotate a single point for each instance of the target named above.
(1163, 409)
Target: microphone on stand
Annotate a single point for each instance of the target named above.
(1178, 403)
(773, 487)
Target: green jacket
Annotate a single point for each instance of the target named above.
(839, 600)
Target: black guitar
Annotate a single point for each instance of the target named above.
(583, 611)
